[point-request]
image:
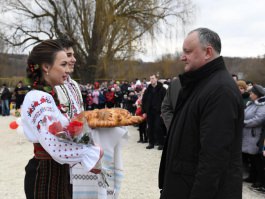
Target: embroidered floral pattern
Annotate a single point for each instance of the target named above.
(35, 104)
(39, 111)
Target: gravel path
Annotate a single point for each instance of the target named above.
(140, 167)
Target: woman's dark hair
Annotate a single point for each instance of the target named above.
(43, 53)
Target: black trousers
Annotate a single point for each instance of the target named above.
(256, 167)
(142, 131)
(155, 130)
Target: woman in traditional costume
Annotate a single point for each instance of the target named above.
(48, 173)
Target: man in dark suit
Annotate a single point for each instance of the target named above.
(202, 154)
(151, 108)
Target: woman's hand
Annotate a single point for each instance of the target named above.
(95, 171)
(97, 168)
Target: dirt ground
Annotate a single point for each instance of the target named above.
(140, 166)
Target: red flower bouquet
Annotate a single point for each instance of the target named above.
(75, 128)
(55, 127)
(76, 131)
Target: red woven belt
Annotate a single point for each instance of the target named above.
(40, 153)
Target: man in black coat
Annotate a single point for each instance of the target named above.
(151, 107)
(202, 154)
(20, 93)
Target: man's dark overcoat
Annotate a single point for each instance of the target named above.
(202, 154)
(153, 98)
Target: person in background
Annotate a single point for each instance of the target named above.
(249, 85)
(169, 102)
(89, 101)
(132, 97)
(19, 94)
(138, 89)
(138, 86)
(118, 97)
(110, 97)
(48, 173)
(253, 126)
(124, 87)
(142, 126)
(261, 145)
(144, 83)
(84, 93)
(243, 90)
(101, 99)
(5, 100)
(245, 96)
(202, 154)
(125, 102)
(235, 77)
(151, 108)
(95, 95)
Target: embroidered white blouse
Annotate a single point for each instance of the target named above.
(37, 110)
(70, 97)
(89, 185)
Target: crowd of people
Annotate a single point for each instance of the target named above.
(139, 97)
(253, 151)
(12, 99)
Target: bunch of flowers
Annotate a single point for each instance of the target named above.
(77, 130)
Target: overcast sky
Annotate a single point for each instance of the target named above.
(239, 23)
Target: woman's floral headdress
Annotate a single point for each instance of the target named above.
(34, 67)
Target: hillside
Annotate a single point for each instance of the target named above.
(12, 65)
(247, 68)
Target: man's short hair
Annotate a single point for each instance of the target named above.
(154, 75)
(209, 37)
(65, 41)
(249, 82)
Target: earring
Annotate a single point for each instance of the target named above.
(47, 73)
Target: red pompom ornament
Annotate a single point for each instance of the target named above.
(13, 125)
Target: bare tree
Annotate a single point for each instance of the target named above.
(103, 30)
(3, 44)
